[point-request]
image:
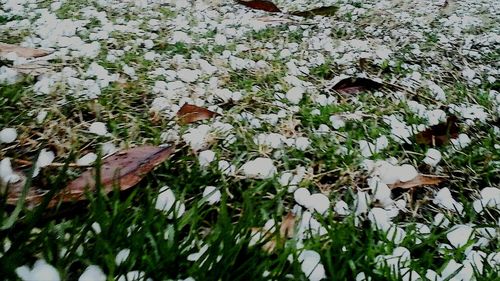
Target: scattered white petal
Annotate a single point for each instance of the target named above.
(133, 276)
(459, 235)
(432, 157)
(260, 168)
(45, 158)
(226, 168)
(212, 194)
(7, 175)
(444, 200)
(206, 157)
(441, 221)
(167, 203)
(122, 256)
(87, 159)
(98, 128)
(311, 265)
(341, 208)
(96, 227)
(295, 94)
(196, 256)
(461, 142)
(8, 135)
(406, 172)
(319, 202)
(41, 271)
(92, 273)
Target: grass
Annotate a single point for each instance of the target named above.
(67, 236)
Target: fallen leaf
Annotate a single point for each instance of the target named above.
(355, 85)
(264, 5)
(33, 69)
(287, 229)
(321, 11)
(123, 169)
(189, 113)
(418, 181)
(439, 134)
(21, 51)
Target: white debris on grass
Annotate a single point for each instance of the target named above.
(96, 227)
(259, 168)
(122, 256)
(317, 202)
(87, 159)
(459, 235)
(226, 168)
(310, 263)
(7, 174)
(167, 203)
(98, 128)
(444, 200)
(134, 275)
(41, 271)
(44, 159)
(489, 198)
(92, 273)
(212, 194)
(206, 157)
(432, 157)
(8, 135)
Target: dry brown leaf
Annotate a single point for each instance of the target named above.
(123, 169)
(287, 229)
(356, 85)
(21, 51)
(263, 5)
(33, 69)
(418, 181)
(440, 134)
(189, 113)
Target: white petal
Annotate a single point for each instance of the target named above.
(165, 199)
(450, 269)
(212, 194)
(406, 172)
(319, 202)
(301, 196)
(98, 128)
(8, 135)
(380, 218)
(459, 235)
(490, 197)
(341, 208)
(132, 276)
(87, 159)
(122, 256)
(92, 273)
(206, 157)
(432, 157)
(43, 271)
(260, 168)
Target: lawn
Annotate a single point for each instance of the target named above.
(362, 144)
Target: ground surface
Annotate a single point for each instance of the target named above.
(287, 152)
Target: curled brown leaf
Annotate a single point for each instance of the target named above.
(189, 113)
(123, 169)
(263, 5)
(21, 51)
(440, 134)
(356, 85)
(418, 181)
